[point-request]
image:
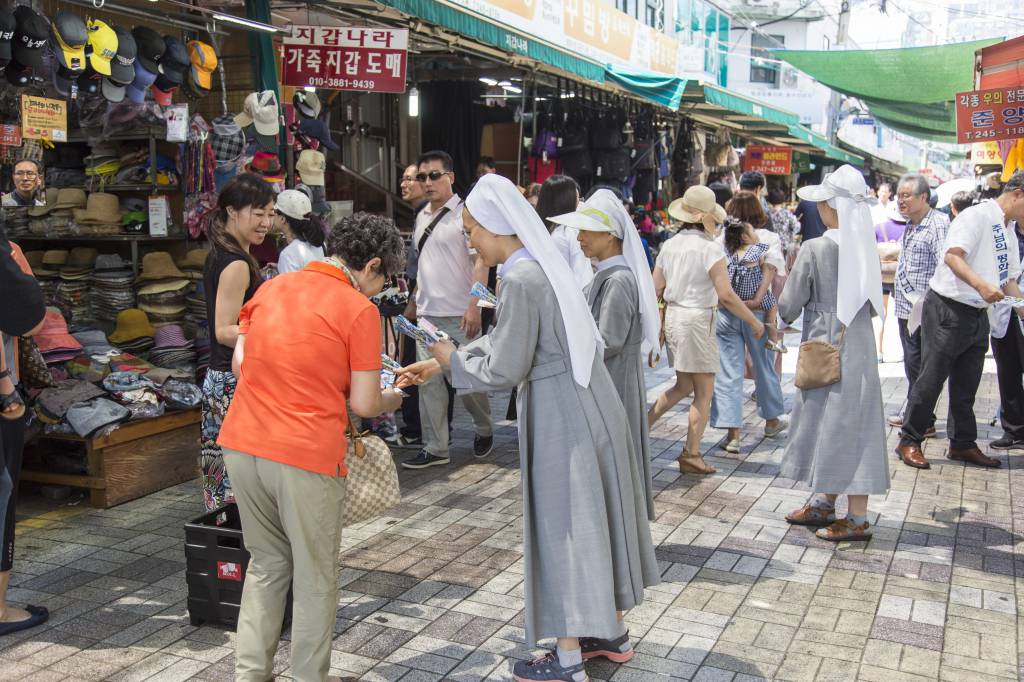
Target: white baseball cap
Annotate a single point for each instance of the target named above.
(311, 166)
(294, 204)
(260, 109)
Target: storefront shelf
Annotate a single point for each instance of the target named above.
(141, 188)
(104, 238)
(136, 136)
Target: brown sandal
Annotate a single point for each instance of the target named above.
(844, 530)
(7, 400)
(694, 464)
(809, 515)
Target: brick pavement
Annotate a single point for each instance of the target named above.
(434, 590)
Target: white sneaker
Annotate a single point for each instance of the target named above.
(732, 446)
(779, 428)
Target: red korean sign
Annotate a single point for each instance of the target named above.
(768, 160)
(990, 115)
(346, 58)
(10, 135)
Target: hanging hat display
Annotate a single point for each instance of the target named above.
(7, 26)
(204, 63)
(306, 103)
(150, 48)
(311, 166)
(68, 37)
(174, 64)
(102, 46)
(30, 35)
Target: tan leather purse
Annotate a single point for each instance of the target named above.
(818, 363)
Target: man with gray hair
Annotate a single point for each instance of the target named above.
(920, 254)
(980, 267)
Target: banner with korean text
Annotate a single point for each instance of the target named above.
(359, 58)
(990, 115)
(768, 160)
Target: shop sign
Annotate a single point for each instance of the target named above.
(366, 59)
(986, 153)
(44, 119)
(10, 135)
(990, 115)
(768, 160)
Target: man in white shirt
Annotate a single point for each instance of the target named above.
(447, 270)
(980, 267)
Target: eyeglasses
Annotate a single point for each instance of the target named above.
(433, 176)
(26, 174)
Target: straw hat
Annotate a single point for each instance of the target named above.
(163, 287)
(70, 197)
(80, 260)
(131, 324)
(55, 257)
(102, 208)
(194, 260)
(49, 201)
(696, 203)
(158, 265)
(34, 259)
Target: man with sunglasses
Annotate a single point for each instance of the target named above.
(28, 178)
(446, 271)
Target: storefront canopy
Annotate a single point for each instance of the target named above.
(756, 121)
(658, 88)
(908, 89)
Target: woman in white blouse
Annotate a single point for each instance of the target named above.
(305, 236)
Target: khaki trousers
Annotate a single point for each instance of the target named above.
(291, 521)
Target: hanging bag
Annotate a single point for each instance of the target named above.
(818, 364)
(372, 485)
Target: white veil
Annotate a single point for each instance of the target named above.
(501, 209)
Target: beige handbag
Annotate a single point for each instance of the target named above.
(818, 363)
(372, 482)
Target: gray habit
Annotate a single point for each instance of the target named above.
(837, 435)
(587, 544)
(615, 303)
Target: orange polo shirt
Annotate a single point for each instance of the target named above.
(305, 333)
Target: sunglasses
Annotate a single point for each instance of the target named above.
(433, 176)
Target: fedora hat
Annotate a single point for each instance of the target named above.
(131, 324)
(158, 265)
(194, 260)
(49, 201)
(70, 197)
(55, 257)
(696, 203)
(163, 287)
(101, 208)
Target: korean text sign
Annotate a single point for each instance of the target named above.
(768, 160)
(44, 119)
(346, 58)
(990, 115)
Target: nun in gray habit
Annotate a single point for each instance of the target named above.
(837, 437)
(625, 306)
(586, 540)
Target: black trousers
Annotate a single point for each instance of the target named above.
(1009, 354)
(911, 357)
(12, 441)
(954, 338)
(411, 427)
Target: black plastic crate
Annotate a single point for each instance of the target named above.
(215, 565)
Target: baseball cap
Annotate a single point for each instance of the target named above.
(307, 103)
(68, 36)
(314, 127)
(122, 66)
(102, 46)
(89, 82)
(294, 204)
(143, 79)
(17, 74)
(173, 65)
(150, 49)
(260, 110)
(161, 96)
(112, 92)
(7, 26)
(311, 166)
(204, 63)
(30, 35)
(62, 79)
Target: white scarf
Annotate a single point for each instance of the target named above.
(500, 208)
(633, 251)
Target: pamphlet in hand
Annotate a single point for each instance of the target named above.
(486, 298)
(389, 364)
(418, 334)
(431, 329)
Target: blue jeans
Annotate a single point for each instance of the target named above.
(727, 407)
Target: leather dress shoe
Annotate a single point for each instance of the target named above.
(974, 456)
(912, 456)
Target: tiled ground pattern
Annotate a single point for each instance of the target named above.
(434, 590)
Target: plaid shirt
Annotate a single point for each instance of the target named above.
(919, 256)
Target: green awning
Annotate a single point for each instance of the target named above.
(909, 89)
(727, 99)
(658, 88)
(828, 149)
(476, 27)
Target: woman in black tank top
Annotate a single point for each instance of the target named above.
(245, 213)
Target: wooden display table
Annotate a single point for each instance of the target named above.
(136, 459)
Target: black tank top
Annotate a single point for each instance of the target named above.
(216, 261)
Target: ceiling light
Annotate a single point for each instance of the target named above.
(248, 23)
(414, 102)
(309, 88)
(488, 81)
(511, 88)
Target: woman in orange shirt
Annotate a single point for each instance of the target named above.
(308, 341)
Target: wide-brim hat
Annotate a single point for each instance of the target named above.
(49, 202)
(71, 197)
(54, 333)
(55, 257)
(132, 323)
(159, 265)
(165, 286)
(194, 260)
(170, 336)
(102, 208)
(696, 203)
(82, 257)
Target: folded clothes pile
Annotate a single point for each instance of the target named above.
(113, 289)
(17, 221)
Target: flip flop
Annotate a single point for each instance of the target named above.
(12, 398)
(39, 615)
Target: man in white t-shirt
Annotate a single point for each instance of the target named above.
(446, 271)
(980, 267)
